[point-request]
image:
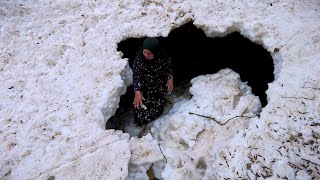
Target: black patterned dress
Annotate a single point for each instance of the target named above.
(150, 77)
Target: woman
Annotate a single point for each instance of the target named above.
(152, 78)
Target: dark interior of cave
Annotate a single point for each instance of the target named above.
(194, 54)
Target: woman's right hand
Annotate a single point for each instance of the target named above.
(137, 102)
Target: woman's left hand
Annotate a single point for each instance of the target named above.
(170, 84)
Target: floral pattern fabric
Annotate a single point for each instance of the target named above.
(150, 77)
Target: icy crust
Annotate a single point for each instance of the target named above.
(62, 78)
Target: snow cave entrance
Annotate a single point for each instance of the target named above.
(194, 54)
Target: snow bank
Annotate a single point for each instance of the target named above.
(62, 78)
(194, 129)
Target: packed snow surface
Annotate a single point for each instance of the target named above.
(62, 77)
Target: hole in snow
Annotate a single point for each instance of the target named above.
(194, 54)
(123, 118)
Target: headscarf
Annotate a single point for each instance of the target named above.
(152, 44)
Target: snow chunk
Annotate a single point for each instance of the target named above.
(194, 128)
(145, 152)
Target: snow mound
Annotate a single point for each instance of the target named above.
(220, 107)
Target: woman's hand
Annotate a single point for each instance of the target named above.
(170, 84)
(137, 102)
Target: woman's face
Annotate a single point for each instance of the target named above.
(148, 54)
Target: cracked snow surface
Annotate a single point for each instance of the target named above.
(62, 78)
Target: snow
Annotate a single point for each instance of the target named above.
(189, 140)
(62, 78)
(145, 151)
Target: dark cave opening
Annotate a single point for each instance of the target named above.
(194, 54)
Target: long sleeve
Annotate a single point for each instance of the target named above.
(168, 68)
(136, 73)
